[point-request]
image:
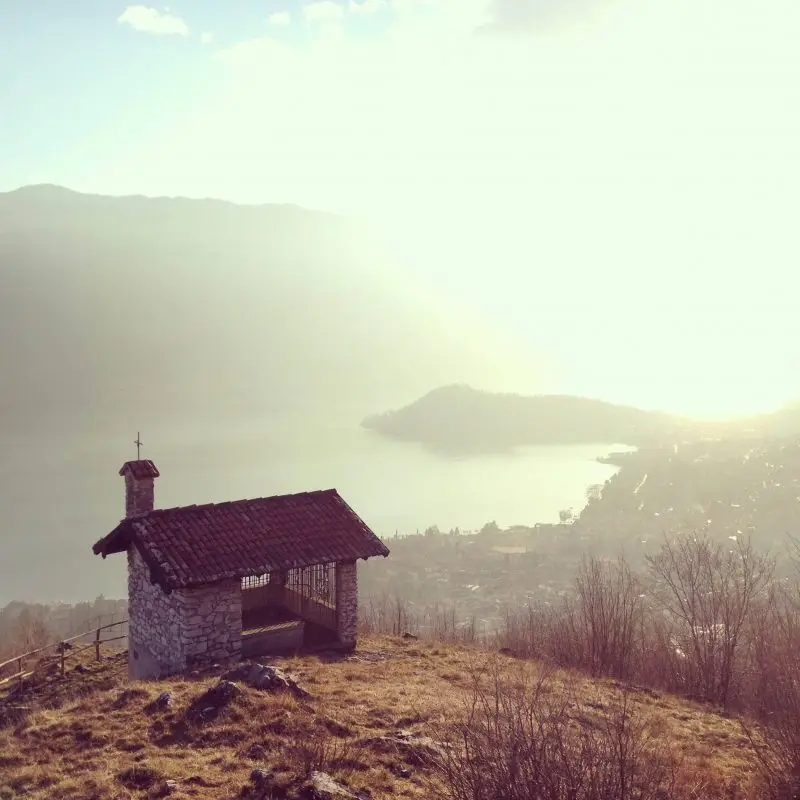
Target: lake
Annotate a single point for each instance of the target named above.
(59, 497)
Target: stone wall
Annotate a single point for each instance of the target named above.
(347, 603)
(139, 495)
(169, 632)
(211, 622)
(154, 624)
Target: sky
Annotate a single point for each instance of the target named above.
(615, 182)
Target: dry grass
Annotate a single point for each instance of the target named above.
(109, 744)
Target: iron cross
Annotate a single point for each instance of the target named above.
(138, 444)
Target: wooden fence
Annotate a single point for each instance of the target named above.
(58, 652)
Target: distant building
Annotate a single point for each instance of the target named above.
(229, 580)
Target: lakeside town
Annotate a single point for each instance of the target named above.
(741, 487)
(730, 488)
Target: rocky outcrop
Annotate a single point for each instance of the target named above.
(316, 786)
(411, 747)
(321, 786)
(268, 678)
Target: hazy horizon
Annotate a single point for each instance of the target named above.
(538, 371)
(609, 184)
(574, 197)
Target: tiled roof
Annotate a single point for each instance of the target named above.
(195, 545)
(140, 469)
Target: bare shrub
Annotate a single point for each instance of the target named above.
(523, 631)
(775, 690)
(707, 590)
(658, 662)
(385, 614)
(608, 616)
(394, 616)
(317, 749)
(594, 629)
(794, 552)
(526, 737)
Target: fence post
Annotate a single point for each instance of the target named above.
(19, 669)
(63, 658)
(97, 645)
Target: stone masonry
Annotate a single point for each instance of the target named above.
(170, 632)
(139, 494)
(347, 603)
(211, 622)
(154, 624)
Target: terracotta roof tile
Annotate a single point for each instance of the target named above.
(194, 545)
(140, 469)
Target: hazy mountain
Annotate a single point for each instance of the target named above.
(244, 342)
(784, 422)
(121, 309)
(458, 418)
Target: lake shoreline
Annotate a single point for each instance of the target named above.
(393, 486)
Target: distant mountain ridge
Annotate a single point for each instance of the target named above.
(459, 419)
(213, 328)
(145, 307)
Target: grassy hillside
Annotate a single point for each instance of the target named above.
(93, 735)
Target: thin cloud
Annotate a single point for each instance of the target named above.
(206, 37)
(367, 6)
(537, 14)
(323, 11)
(279, 18)
(644, 139)
(152, 21)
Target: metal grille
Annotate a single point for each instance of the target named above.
(254, 581)
(317, 583)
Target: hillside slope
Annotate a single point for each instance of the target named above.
(365, 723)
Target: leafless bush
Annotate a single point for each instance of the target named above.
(657, 661)
(525, 631)
(712, 621)
(29, 631)
(707, 590)
(527, 738)
(318, 749)
(384, 614)
(549, 632)
(394, 616)
(794, 553)
(775, 689)
(595, 629)
(608, 616)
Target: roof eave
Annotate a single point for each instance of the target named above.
(158, 574)
(117, 541)
(375, 555)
